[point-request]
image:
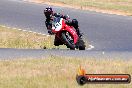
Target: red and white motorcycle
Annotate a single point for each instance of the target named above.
(67, 35)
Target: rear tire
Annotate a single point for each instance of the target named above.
(81, 44)
(69, 44)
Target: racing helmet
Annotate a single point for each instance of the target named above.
(48, 11)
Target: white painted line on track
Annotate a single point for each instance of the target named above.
(23, 30)
(103, 52)
(90, 47)
(19, 29)
(30, 31)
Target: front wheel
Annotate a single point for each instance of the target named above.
(68, 40)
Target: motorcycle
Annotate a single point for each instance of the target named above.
(66, 35)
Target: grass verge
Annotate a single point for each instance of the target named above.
(123, 7)
(58, 72)
(10, 38)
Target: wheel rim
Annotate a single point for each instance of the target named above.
(70, 39)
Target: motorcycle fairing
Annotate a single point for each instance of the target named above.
(72, 32)
(60, 26)
(57, 24)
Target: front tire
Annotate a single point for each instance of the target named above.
(68, 41)
(57, 41)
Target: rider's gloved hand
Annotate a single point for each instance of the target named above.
(50, 32)
(80, 35)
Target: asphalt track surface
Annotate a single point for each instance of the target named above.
(107, 33)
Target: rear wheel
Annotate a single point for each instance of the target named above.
(68, 40)
(81, 44)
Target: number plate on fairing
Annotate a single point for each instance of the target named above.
(57, 24)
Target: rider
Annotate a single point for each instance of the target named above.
(48, 12)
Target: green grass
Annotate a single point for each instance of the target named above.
(58, 72)
(124, 6)
(10, 38)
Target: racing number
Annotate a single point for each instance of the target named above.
(57, 25)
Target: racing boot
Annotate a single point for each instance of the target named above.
(75, 25)
(78, 32)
